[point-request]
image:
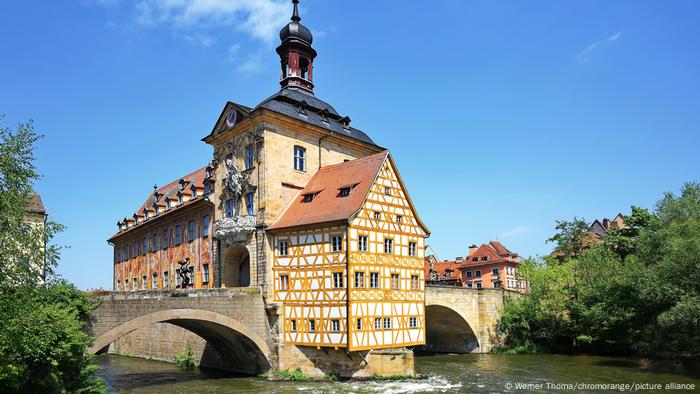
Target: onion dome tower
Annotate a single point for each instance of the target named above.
(296, 54)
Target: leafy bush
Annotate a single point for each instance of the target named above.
(185, 359)
(297, 375)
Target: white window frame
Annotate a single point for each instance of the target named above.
(362, 243)
(336, 243)
(387, 323)
(375, 280)
(412, 248)
(359, 279)
(338, 282)
(415, 282)
(388, 246)
(395, 281)
(283, 248)
(413, 322)
(335, 325)
(205, 273)
(299, 158)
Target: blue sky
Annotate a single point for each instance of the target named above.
(503, 116)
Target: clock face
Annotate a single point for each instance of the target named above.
(231, 117)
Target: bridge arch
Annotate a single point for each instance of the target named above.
(448, 330)
(235, 342)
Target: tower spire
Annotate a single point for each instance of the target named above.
(296, 54)
(295, 14)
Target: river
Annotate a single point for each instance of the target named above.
(444, 374)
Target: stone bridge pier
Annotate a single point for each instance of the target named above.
(462, 320)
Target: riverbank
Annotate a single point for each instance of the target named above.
(444, 373)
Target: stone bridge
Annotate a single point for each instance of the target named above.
(462, 320)
(233, 322)
(239, 333)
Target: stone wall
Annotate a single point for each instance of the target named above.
(318, 362)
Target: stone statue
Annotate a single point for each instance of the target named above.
(184, 272)
(234, 184)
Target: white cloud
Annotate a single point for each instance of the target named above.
(515, 231)
(261, 19)
(585, 55)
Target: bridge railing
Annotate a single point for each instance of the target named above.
(174, 293)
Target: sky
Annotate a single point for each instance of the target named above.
(502, 116)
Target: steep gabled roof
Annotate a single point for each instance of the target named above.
(326, 205)
(169, 191)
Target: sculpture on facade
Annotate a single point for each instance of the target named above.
(184, 272)
(235, 229)
(234, 184)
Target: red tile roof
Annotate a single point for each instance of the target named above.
(494, 252)
(326, 204)
(441, 267)
(169, 191)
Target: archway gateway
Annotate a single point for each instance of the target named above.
(235, 267)
(237, 344)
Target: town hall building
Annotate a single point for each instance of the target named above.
(297, 202)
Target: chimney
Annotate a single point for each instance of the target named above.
(472, 249)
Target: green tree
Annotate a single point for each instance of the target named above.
(624, 240)
(43, 344)
(637, 292)
(570, 237)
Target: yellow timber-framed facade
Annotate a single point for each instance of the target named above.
(356, 283)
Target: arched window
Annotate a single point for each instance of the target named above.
(304, 67)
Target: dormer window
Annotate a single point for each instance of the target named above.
(484, 258)
(180, 199)
(308, 197)
(301, 109)
(207, 172)
(194, 191)
(207, 187)
(182, 185)
(344, 191)
(145, 212)
(157, 209)
(475, 259)
(168, 203)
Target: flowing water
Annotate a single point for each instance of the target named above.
(488, 373)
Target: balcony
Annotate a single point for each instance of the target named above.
(234, 230)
